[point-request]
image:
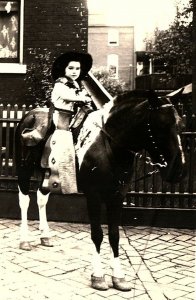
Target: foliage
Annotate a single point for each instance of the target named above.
(112, 85)
(173, 47)
(38, 77)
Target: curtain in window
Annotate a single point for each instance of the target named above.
(9, 31)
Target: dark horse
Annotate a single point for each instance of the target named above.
(129, 123)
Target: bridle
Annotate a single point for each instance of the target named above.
(147, 159)
(162, 163)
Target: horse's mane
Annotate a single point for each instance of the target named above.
(134, 104)
(132, 98)
(132, 94)
(129, 99)
(135, 98)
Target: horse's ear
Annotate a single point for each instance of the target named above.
(175, 96)
(153, 99)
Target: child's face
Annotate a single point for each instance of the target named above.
(73, 70)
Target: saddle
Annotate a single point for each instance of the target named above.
(35, 126)
(38, 122)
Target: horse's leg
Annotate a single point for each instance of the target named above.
(42, 200)
(94, 212)
(114, 207)
(24, 205)
(113, 234)
(97, 238)
(24, 175)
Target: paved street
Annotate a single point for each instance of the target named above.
(160, 263)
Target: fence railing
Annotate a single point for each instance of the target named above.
(149, 191)
(9, 118)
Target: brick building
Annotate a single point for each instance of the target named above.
(112, 46)
(31, 27)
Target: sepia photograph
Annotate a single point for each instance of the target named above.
(98, 150)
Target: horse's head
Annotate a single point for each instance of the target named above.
(163, 142)
(145, 121)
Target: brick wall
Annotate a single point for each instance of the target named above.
(98, 45)
(54, 25)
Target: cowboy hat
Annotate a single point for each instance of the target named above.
(59, 65)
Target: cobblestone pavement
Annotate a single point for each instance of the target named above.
(160, 263)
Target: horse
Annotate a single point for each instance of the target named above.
(106, 147)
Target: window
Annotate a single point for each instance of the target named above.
(113, 65)
(11, 37)
(113, 37)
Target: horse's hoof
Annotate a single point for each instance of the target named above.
(121, 284)
(99, 283)
(46, 242)
(25, 246)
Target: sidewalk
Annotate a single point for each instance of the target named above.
(160, 263)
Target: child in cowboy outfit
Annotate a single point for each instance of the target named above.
(68, 94)
(68, 70)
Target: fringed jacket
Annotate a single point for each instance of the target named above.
(65, 93)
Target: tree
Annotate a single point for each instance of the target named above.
(173, 47)
(112, 85)
(38, 78)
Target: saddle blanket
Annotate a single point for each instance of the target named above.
(91, 129)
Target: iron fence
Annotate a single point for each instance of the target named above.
(145, 190)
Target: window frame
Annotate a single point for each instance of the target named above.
(19, 67)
